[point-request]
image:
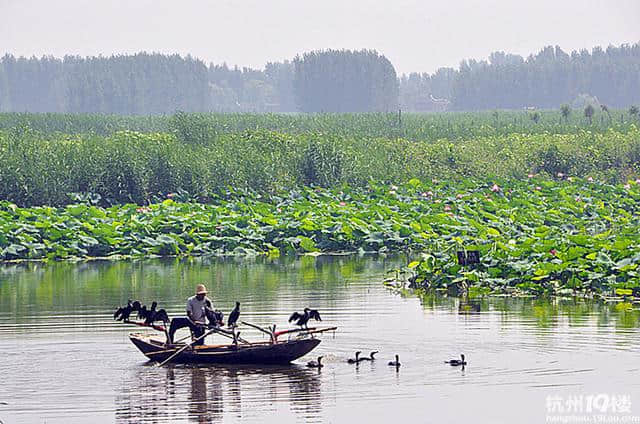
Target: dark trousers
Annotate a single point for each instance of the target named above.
(182, 322)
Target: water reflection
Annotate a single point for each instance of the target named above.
(57, 319)
(200, 394)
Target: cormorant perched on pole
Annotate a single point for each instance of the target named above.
(234, 315)
(303, 318)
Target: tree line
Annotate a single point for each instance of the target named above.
(318, 81)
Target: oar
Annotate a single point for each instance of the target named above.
(179, 351)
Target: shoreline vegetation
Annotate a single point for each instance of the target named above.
(550, 211)
(570, 236)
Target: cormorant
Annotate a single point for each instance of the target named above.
(151, 314)
(122, 314)
(355, 361)
(457, 362)
(371, 357)
(395, 363)
(314, 364)
(233, 316)
(303, 318)
(162, 315)
(142, 312)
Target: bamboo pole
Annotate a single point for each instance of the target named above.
(182, 349)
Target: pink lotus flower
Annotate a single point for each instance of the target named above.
(171, 195)
(590, 179)
(459, 196)
(627, 186)
(279, 210)
(554, 252)
(570, 179)
(447, 207)
(495, 188)
(638, 181)
(143, 209)
(343, 204)
(530, 175)
(538, 188)
(578, 199)
(560, 175)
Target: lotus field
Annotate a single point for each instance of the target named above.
(571, 235)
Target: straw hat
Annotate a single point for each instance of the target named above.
(201, 289)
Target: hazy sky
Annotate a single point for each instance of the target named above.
(414, 35)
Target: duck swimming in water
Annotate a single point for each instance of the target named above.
(457, 362)
(355, 361)
(316, 364)
(371, 357)
(395, 363)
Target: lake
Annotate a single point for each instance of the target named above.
(64, 359)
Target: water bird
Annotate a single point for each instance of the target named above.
(161, 315)
(303, 318)
(457, 362)
(151, 314)
(355, 361)
(234, 315)
(316, 364)
(371, 356)
(142, 312)
(123, 313)
(395, 363)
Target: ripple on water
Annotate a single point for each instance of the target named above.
(68, 361)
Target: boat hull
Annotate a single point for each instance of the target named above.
(254, 353)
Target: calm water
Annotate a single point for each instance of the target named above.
(64, 360)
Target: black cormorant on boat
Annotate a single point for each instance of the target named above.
(151, 314)
(303, 318)
(234, 315)
(123, 314)
(457, 362)
(142, 312)
(161, 315)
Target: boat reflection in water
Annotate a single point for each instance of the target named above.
(207, 394)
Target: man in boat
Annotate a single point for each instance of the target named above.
(198, 309)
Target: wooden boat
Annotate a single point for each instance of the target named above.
(267, 352)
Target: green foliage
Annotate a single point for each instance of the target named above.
(202, 155)
(345, 81)
(535, 237)
(588, 112)
(565, 111)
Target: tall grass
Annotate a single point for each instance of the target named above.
(129, 166)
(418, 127)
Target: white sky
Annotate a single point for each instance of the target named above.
(415, 35)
